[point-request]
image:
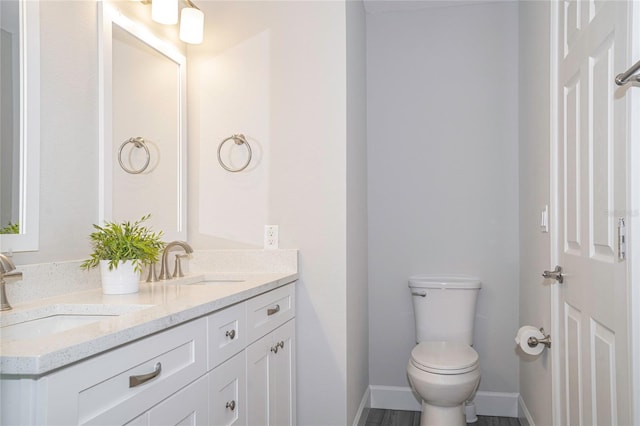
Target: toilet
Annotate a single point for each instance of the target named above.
(444, 370)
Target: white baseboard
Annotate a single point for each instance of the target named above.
(523, 414)
(363, 409)
(394, 398)
(502, 404)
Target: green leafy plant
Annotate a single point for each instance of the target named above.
(11, 228)
(117, 242)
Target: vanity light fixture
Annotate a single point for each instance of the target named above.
(191, 18)
(191, 24)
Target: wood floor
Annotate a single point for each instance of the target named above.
(378, 417)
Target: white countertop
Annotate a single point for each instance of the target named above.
(165, 304)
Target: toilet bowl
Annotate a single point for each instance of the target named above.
(444, 374)
(444, 369)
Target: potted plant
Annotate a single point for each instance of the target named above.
(121, 249)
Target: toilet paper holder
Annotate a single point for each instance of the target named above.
(534, 341)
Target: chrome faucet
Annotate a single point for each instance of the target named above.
(6, 268)
(164, 268)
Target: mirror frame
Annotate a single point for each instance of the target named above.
(29, 217)
(107, 17)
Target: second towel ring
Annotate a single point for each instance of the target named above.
(138, 142)
(239, 139)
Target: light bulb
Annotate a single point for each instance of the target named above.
(191, 25)
(165, 11)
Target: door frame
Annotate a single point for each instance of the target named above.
(633, 198)
(556, 384)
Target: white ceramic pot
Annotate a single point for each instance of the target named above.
(122, 279)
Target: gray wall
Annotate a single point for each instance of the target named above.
(443, 175)
(535, 296)
(357, 241)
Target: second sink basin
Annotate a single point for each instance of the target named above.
(217, 281)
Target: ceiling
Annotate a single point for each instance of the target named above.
(382, 6)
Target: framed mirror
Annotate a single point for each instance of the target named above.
(19, 125)
(142, 127)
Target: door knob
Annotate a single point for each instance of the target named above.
(556, 274)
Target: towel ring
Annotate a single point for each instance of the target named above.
(138, 142)
(239, 139)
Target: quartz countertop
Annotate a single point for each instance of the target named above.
(156, 307)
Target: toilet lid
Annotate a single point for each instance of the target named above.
(444, 357)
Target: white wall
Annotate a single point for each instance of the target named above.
(534, 71)
(294, 55)
(298, 110)
(443, 175)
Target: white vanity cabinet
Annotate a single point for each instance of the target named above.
(256, 386)
(270, 358)
(232, 367)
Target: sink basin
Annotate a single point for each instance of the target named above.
(216, 281)
(48, 320)
(46, 326)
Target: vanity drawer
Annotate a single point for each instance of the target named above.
(119, 385)
(226, 333)
(269, 311)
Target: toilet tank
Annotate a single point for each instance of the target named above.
(444, 307)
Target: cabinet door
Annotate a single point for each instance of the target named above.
(227, 393)
(188, 406)
(271, 378)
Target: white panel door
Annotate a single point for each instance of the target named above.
(593, 315)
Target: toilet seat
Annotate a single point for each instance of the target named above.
(442, 357)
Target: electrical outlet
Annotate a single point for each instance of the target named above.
(271, 236)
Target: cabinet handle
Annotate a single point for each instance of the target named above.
(231, 334)
(231, 405)
(272, 311)
(142, 378)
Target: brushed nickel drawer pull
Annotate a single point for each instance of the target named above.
(231, 334)
(272, 311)
(231, 405)
(142, 378)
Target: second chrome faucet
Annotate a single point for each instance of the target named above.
(164, 268)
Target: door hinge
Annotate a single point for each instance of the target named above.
(622, 240)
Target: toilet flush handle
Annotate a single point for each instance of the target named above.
(419, 293)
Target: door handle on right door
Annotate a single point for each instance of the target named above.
(556, 274)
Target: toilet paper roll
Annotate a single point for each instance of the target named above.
(522, 339)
